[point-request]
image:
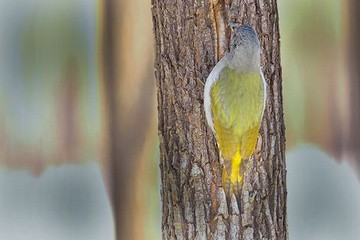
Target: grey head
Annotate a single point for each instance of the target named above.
(243, 35)
(244, 48)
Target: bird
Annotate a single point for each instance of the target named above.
(234, 102)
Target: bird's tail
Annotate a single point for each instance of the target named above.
(231, 174)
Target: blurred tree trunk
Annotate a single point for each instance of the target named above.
(190, 38)
(352, 144)
(128, 95)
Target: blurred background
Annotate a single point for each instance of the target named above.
(78, 119)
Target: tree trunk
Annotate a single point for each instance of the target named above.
(351, 142)
(128, 111)
(191, 36)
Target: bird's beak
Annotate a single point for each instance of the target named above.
(233, 25)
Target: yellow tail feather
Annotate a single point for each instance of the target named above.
(232, 182)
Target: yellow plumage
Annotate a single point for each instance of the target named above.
(237, 103)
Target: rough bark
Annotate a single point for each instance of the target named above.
(190, 38)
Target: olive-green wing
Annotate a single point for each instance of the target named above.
(237, 102)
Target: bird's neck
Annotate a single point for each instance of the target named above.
(244, 59)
